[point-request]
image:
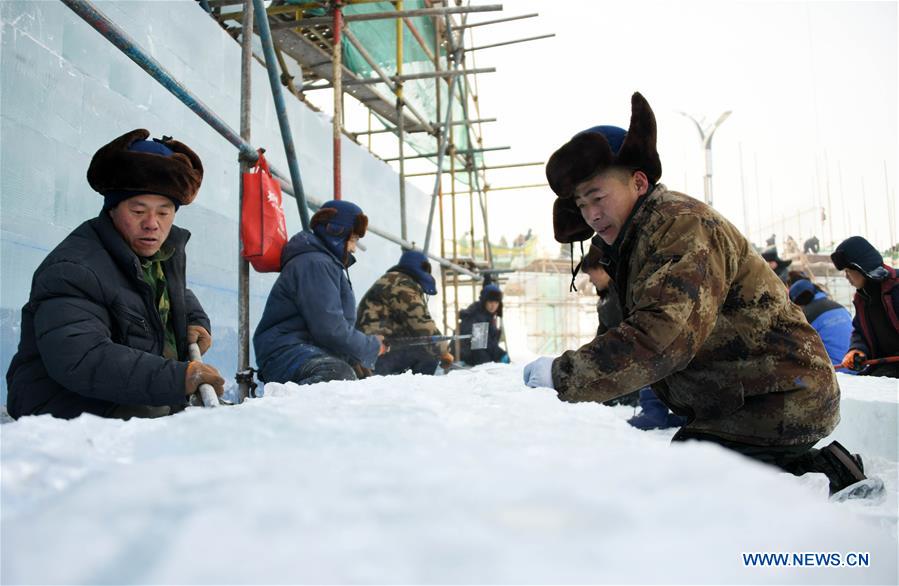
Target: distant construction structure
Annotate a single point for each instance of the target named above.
(400, 80)
(408, 70)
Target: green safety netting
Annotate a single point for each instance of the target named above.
(379, 39)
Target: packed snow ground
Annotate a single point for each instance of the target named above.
(464, 478)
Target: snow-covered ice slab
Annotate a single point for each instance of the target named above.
(464, 478)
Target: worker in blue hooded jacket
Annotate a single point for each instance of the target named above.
(831, 320)
(307, 334)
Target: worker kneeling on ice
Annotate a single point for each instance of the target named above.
(109, 319)
(396, 307)
(706, 322)
(307, 331)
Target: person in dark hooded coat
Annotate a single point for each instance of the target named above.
(109, 318)
(875, 328)
(487, 309)
(777, 264)
(306, 334)
(396, 306)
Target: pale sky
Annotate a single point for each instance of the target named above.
(807, 82)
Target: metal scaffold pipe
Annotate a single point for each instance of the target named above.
(337, 65)
(516, 41)
(314, 21)
(380, 71)
(465, 152)
(243, 266)
(401, 122)
(248, 153)
(118, 37)
(495, 21)
(265, 35)
(401, 78)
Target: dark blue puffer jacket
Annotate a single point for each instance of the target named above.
(310, 312)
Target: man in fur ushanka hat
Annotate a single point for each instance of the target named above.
(705, 321)
(109, 319)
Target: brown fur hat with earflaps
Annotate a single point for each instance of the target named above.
(593, 151)
(116, 168)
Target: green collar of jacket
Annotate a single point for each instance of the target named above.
(154, 275)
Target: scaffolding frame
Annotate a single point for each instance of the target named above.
(315, 43)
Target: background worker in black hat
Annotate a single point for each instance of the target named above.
(706, 322)
(779, 265)
(875, 327)
(109, 319)
(488, 309)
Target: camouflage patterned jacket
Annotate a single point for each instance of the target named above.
(711, 327)
(395, 306)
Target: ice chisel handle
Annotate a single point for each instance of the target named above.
(402, 342)
(207, 393)
(884, 360)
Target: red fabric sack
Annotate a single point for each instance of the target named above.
(263, 230)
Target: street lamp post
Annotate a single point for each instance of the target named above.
(706, 136)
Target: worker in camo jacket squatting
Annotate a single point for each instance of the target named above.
(706, 322)
(396, 306)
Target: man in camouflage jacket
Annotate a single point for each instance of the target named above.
(706, 322)
(395, 307)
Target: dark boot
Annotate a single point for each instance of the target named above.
(842, 468)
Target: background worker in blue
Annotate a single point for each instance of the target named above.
(307, 331)
(830, 319)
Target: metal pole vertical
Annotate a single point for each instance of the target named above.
(400, 118)
(438, 183)
(337, 62)
(474, 292)
(439, 199)
(243, 267)
(441, 149)
(471, 210)
(271, 65)
(452, 153)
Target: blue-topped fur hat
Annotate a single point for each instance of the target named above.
(591, 152)
(335, 222)
(802, 292)
(132, 165)
(416, 264)
(857, 253)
